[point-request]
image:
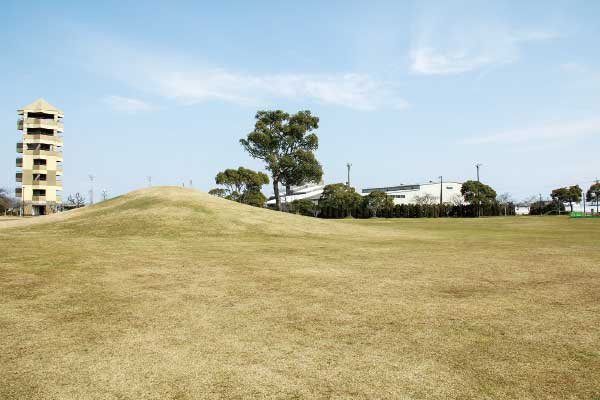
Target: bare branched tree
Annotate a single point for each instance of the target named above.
(76, 201)
(504, 200)
(457, 200)
(427, 199)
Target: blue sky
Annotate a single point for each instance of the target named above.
(405, 91)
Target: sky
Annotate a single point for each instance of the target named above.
(405, 91)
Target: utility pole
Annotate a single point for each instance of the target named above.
(104, 194)
(348, 165)
(149, 181)
(597, 196)
(190, 183)
(22, 200)
(478, 195)
(441, 192)
(541, 206)
(91, 189)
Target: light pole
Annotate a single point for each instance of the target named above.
(441, 192)
(478, 195)
(91, 189)
(348, 165)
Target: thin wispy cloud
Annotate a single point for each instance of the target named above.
(126, 104)
(191, 82)
(447, 46)
(548, 133)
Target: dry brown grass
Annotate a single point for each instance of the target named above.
(168, 293)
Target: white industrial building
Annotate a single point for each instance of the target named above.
(411, 194)
(401, 194)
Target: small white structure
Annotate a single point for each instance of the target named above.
(411, 194)
(310, 191)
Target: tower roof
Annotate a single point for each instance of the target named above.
(40, 105)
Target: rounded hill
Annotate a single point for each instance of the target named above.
(171, 210)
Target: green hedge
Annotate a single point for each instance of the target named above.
(422, 211)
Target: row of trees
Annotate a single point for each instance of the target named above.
(340, 201)
(566, 195)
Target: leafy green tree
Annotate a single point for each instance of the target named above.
(254, 198)
(377, 202)
(304, 207)
(475, 192)
(593, 194)
(242, 185)
(570, 195)
(285, 143)
(340, 197)
(5, 200)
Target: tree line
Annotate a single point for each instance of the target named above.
(341, 201)
(563, 196)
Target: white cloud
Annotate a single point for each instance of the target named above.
(126, 104)
(361, 92)
(548, 133)
(454, 47)
(191, 81)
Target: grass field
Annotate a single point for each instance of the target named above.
(168, 293)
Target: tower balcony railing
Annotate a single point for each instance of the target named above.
(40, 122)
(51, 153)
(39, 138)
(59, 170)
(38, 198)
(19, 177)
(39, 183)
(19, 162)
(19, 147)
(18, 192)
(40, 167)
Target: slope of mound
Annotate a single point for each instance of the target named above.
(171, 211)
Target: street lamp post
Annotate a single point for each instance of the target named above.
(349, 165)
(441, 191)
(478, 193)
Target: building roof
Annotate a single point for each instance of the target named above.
(40, 105)
(402, 187)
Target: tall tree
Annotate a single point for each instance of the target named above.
(285, 143)
(340, 196)
(476, 192)
(593, 194)
(571, 194)
(242, 185)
